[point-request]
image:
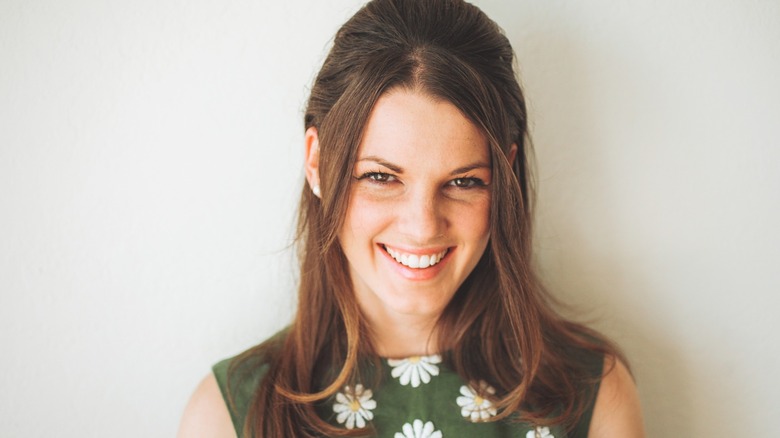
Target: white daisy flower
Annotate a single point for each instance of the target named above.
(419, 430)
(415, 369)
(354, 406)
(539, 432)
(474, 405)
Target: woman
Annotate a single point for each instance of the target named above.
(419, 313)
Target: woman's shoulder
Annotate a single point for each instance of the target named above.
(617, 411)
(224, 396)
(581, 358)
(206, 414)
(612, 408)
(588, 364)
(238, 377)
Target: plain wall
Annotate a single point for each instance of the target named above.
(151, 159)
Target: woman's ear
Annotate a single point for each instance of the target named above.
(512, 154)
(313, 160)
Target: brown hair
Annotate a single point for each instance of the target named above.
(500, 325)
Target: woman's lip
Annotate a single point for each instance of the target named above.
(415, 251)
(417, 274)
(415, 261)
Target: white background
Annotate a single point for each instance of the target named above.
(150, 162)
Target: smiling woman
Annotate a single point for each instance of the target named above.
(419, 312)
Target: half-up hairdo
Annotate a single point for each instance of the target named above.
(500, 326)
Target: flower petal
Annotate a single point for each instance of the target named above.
(417, 425)
(427, 429)
(464, 401)
(430, 369)
(415, 377)
(396, 362)
(350, 421)
(342, 417)
(361, 423)
(341, 398)
(400, 369)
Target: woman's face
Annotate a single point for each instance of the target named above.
(417, 221)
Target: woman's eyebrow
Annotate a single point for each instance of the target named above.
(470, 167)
(398, 169)
(394, 167)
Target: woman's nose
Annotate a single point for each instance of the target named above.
(421, 217)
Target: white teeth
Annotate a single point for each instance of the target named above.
(414, 261)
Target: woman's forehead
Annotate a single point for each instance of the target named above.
(409, 125)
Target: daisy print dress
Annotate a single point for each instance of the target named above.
(421, 398)
(418, 397)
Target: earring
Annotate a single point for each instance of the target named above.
(316, 190)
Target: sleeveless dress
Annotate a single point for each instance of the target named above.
(417, 397)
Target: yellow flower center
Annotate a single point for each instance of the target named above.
(354, 405)
(478, 400)
(414, 359)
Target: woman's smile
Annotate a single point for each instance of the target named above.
(417, 266)
(418, 259)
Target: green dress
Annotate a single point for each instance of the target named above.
(418, 397)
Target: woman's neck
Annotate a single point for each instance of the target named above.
(400, 336)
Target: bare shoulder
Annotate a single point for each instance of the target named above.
(206, 414)
(617, 412)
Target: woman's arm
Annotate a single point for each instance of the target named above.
(206, 414)
(617, 413)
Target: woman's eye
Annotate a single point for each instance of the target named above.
(467, 183)
(379, 177)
